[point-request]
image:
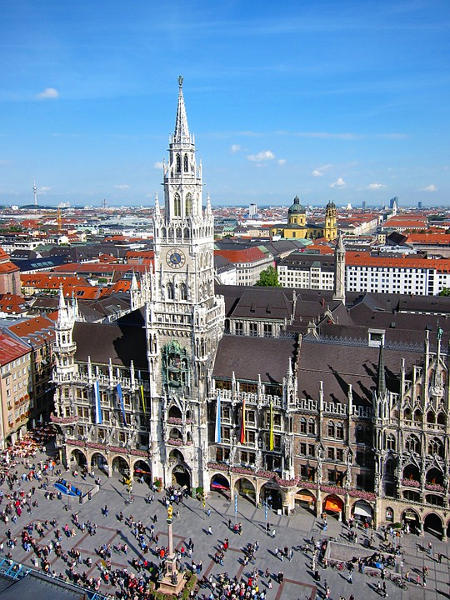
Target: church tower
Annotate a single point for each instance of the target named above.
(339, 271)
(330, 229)
(184, 320)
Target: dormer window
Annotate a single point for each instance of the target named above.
(376, 338)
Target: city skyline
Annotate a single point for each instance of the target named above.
(345, 105)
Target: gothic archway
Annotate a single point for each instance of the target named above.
(120, 465)
(411, 518)
(181, 476)
(271, 494)
(78, 457)
(333, 504)
(99, 461)
(142, 470)
(433, 524)
(245, 488)
(306, 499)
(219, 483)
(362, 510)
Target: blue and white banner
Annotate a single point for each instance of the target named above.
(122, 407)
(218, 421)
(98, 406)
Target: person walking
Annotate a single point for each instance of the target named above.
(210, 530)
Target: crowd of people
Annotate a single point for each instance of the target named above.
(45, 542)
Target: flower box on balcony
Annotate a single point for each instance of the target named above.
(411, 483)
(175, 442)
(434, 487)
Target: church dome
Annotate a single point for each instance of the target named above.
(296, 208)
(331, 205)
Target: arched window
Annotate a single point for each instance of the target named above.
(186, 163)
(390, 442)
(178, 163)
(302, 425)
(435, 446)
(413, 444)
(441, 419)
(177, 205)
(418, 416)
(312, 427)
(340, 431)
(170, 291)
(407, 414)
(188, 205)
(431, 416)
(331, 429)
(183, 291)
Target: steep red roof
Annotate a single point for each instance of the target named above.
(8, 267)
(429, 238)
(242, 256)
(12, 304)
(11, 349)
(410, 262)
(39, 329)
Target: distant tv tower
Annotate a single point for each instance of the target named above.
(104, 203)
(35, 194)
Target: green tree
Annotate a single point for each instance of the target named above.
(268, 278)
(445, 292)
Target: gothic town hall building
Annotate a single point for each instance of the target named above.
(327, 401)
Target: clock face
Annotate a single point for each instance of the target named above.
(175, 258)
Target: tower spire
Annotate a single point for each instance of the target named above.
(181, 134)
(381, 383)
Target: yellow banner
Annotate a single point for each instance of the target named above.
(143, 400)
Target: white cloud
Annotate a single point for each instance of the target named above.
(429, 188)
(338, 183)
(260, 156)
(281, 161)
(158, 165)
(122, 186)
(320, 171)
(48, 93)
(44, 189)
(235, 148)
(376, 186)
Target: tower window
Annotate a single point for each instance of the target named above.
(188, 205)
(177, 205)
(186, 163)
(178, 163)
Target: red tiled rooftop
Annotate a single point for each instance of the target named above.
(429, 238)
(410, 262)
(11, 349)
(241, 256)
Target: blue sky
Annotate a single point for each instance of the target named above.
(342, 100)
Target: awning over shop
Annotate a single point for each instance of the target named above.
(334, 504)
(410, 515)
(363, 510)
(305, 497)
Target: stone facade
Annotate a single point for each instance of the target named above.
(307, 415)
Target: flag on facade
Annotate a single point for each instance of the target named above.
(143, 400)
(98, 406)
(440, 331)
(122, 407)
(271, 427)
(218, 420)
(243, 422)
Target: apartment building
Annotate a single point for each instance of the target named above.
(15, 386)
(367, 273)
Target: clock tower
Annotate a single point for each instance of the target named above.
(184, 319)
